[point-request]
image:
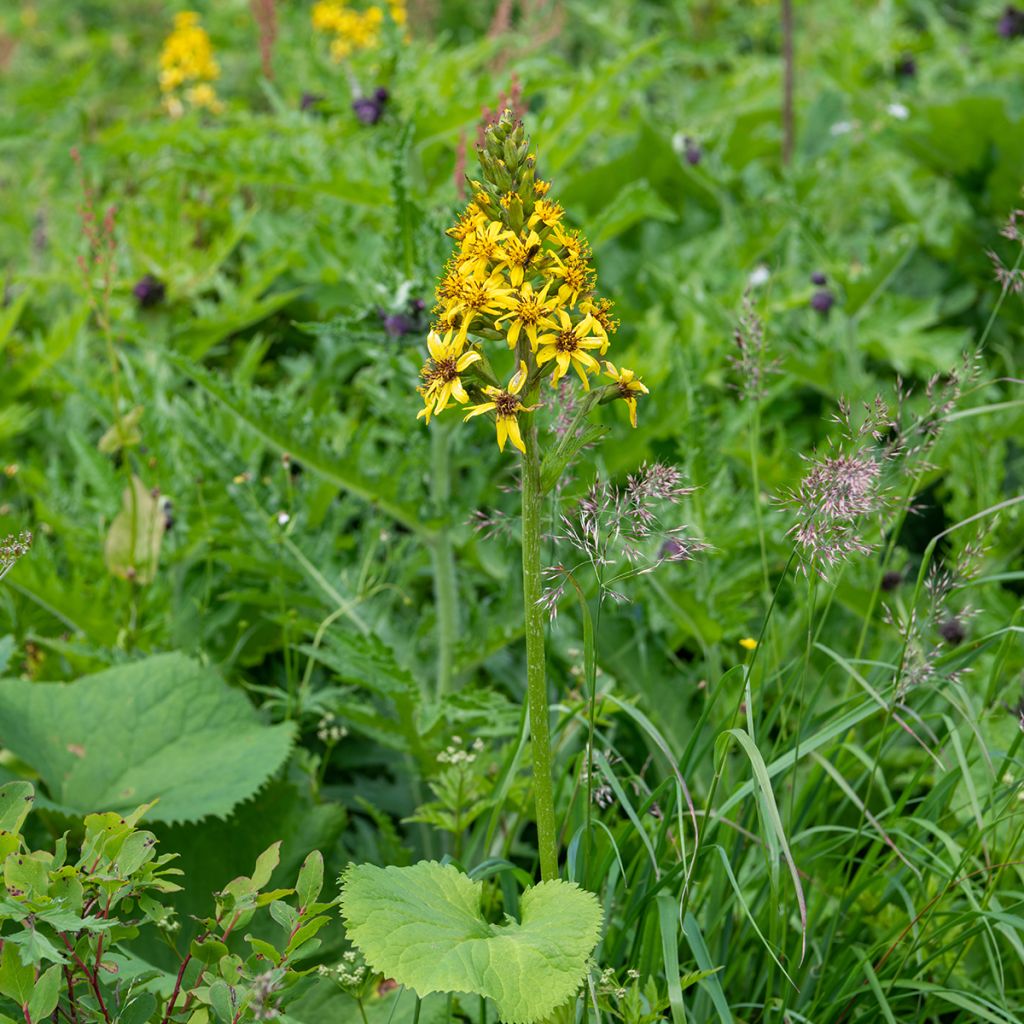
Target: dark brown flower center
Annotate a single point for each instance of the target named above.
(567, 341)
(446, 369)
(506, 404)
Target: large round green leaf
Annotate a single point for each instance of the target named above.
(164, 729)
(422, 926)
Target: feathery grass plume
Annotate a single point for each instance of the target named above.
(188, 68)
(1011, 279)
(852, 486)
(12, 548)
(929, 633)
(622, 532)
(521, 281)
(751, 362)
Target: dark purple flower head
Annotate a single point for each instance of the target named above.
(417, 305)
(822, 300)
(692, 151)
(891, 580)
(370, 109)
(398, 324)
(905, 67)
(1011, 22)
(953, 632)
(818, 278)
(310, 99)
(149, 291)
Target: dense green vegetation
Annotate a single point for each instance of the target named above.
(257, 590)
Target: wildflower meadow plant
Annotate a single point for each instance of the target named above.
(516, 310)
(520, 289)
(188, 68)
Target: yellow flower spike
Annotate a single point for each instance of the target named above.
(441, 381)
(528, 310)
(507, 406)
(629, 386)
(187, 60)
(569, 347)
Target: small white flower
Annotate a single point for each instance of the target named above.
(897, 110)
(283, 518)
(758, 276)
(841, 128)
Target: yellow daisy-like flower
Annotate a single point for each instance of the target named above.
(518, 253)
(629, 385)
(547, 213)
(600, 311)
(472, 219)
(528, 310)
(568, 347)
(541, 188)
(441, 381)
(477, 298)
(507, 407)
(576, 275)
(480, 250)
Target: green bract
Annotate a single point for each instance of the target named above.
(422, 926)
(164, 729)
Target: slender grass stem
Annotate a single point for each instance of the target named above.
(446, 593)
(536, 683)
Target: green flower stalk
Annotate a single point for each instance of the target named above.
(520, 289)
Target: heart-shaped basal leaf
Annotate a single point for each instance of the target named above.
(422, 926)
(164, 729)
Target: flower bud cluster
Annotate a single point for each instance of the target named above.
(329, 730)
(522, 277)
(455, 753)
(349, 974)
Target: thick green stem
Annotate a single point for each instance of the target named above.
(446, 595)
(536, 683)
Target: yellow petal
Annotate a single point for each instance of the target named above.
(435, 345)
(515, 385)
(477, 410)
(514, 435)
(466, 360)
(502, 432)
(513, 333)
(631, 405)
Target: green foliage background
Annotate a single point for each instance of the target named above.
(300, 588)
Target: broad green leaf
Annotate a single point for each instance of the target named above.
(311, 879)
(45, 994)
(16, 978)
(164, 728)
(15, 802)
(136, 533)
(422, 926)
(222, 999)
